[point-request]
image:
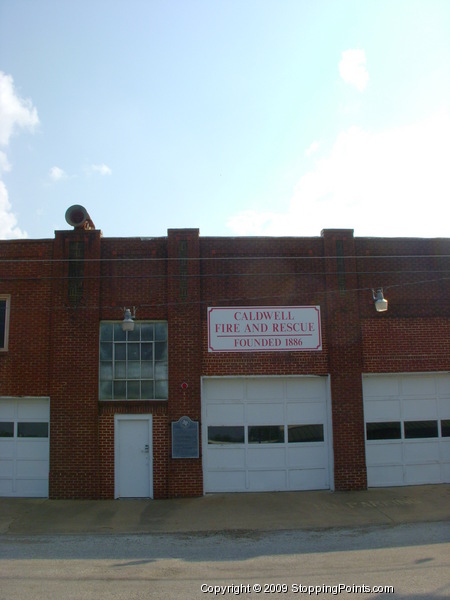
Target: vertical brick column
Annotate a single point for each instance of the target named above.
(74, 330)
(185, 475)
(345, 359)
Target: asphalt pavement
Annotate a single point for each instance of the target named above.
(269, 511)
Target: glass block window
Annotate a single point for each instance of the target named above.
(133, 364)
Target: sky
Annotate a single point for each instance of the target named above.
(237, 117)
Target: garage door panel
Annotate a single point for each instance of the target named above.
(310, 479)
(389, 409)
(306, 389)
(445, 473)
(225, 390)
(265, 414)
(305, 412)
(7, 448)
(231, 414)
(6, 487)
(412, 385)
(32, 449)
(31, 488)
(421, 474)
(231, 458)
(35, 469)
(266, 480)
(6, 467)
(381, 387)
(421, 452)
(7, 410)
(33, 409)
(425, 408)
(266, 457)
(385, 476)
(226, 481)
(444, 408)
(388, 454)
(443, 386)
(308, 456)
(259, 389)
(445, 450)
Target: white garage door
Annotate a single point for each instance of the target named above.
(407, 429)
(24, 447)
(265, 434)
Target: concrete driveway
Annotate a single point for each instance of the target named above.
(224, 512)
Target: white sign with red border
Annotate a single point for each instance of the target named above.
(264, 329)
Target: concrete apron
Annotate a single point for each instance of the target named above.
(267, 511)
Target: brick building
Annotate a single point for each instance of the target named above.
(253, 364)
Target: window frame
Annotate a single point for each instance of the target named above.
(127, 362)
(4, 344)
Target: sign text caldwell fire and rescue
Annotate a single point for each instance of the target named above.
(264, 328)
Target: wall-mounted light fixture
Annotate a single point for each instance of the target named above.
(128, 319)
(381, 304)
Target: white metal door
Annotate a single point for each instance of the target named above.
(407, 429)
(133, 458)
(265, 434)
(24, 447)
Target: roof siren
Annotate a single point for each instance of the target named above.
(78, 217)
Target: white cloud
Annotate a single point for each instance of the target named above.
(392, 183)
(15, 113)
(312, 149)
(57, 174)
(8, 221)
(4, 163)
(352, 68)
(101, 169)
(250, 222)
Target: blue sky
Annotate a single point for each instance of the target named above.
(239, 117)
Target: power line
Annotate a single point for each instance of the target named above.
(217, 258)
(221, 301)
(219, 275)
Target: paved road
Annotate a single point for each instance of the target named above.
(413, 558)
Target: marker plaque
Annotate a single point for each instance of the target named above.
(185, 438)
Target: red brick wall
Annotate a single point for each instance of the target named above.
(53, 345)
(25, 274)
(185, 475)
(73, 367)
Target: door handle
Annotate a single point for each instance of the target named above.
(146, 449)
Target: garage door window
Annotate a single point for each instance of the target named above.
(6, 429)
(266, 434)
(413, 430)
(305, 433)
(226, 435)
(421, 429)
(32, 430)
(390, 430)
